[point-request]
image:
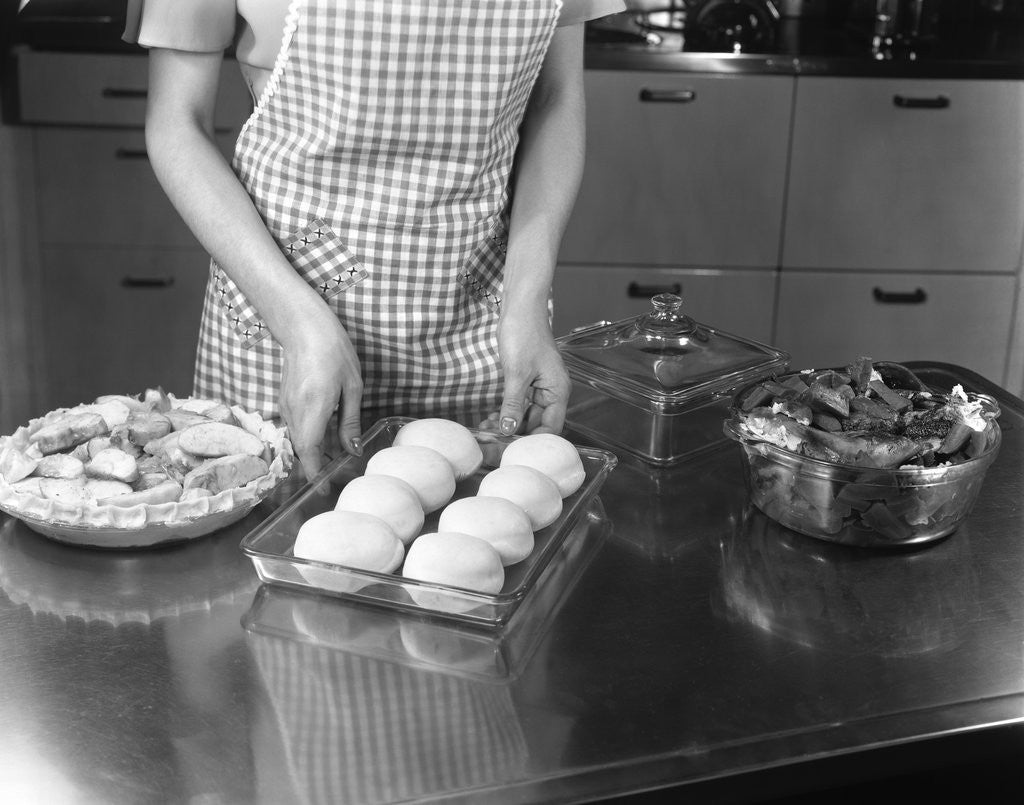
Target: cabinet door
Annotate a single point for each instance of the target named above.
(118, 321)
(107, 89)
(739, 302)
(915, 175)
(96, 186)
(682, 169)
(828, 319)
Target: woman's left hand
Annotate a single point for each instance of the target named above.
(536, 382)
(549, 166)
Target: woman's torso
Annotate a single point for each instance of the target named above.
(385, 138)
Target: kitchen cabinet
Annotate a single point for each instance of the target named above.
(121, 320)
(125, 206)
(682, 170)
(737, 301)
(121, 276)
(906, 175)
(921, 182)
(674, 198)
(19, 296)
(105, 89)
(832, 188)
(829, 318)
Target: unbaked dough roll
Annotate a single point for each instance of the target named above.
(423, 468)
(352, 539)
(452, 440)
(456, 560)
(553, 455)
(527, 487)
(495, 520)
(391, 499)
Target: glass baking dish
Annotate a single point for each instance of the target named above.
(270, 546)
(417, 640)
(657, 386)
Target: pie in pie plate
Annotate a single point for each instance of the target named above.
(137, 471)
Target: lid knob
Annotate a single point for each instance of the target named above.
(666, 316)
(666, 304)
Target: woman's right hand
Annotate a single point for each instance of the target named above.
(320, 364)
(320, 369)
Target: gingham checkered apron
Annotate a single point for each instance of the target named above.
(379, 156)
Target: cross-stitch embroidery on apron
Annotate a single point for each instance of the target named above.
(379, 156)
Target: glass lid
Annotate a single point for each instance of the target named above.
(665, 357)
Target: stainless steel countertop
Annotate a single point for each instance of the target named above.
(685, 641)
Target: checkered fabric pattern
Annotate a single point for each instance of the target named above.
(357, 729)
(317, 254)
(395, 126)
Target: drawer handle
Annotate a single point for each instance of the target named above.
(907, 102)
(147, 282)
(668, 95)
(900, 297)
(131, 153)
(638, 291)
(121, 93)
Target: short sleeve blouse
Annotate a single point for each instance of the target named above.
(255, 27)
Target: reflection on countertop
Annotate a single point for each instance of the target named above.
(121, 668)
(124, 586)
(843, 599)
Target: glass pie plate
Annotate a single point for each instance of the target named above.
(270, 545)
(145, 525)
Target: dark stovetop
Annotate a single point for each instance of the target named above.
(963, 38)
(85, 25)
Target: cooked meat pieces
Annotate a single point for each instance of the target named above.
(933, 424)
(872, 416)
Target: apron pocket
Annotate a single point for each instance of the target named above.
(482, 273)
(319, 256)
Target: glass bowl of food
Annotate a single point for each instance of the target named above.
(866, 455)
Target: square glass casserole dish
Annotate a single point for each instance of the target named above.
(270, 545)
(659, 385)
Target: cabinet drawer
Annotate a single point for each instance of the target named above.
(739, 302)
(106, 90)
(96, 186)
(685, 170)
(907, 175)
(120, 320)
(828, 319)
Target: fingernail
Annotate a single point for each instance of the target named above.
(508, 425)
(357, 445)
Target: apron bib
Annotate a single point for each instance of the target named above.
(379, 156)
